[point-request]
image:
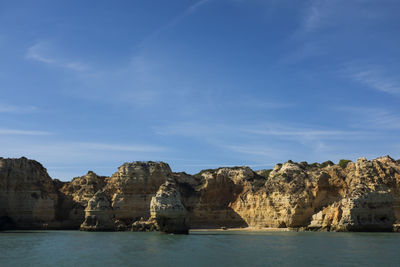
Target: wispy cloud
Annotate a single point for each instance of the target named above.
(22, 132)
(322, 13)
(41, 52)
(176, 20)
(376, 119)
(135, 82)
(280, 130)
(194, 129)
(313, 16)
(301, 132)
(6, 108)
(374, 77)
(126, 148)
(257, 150)
(71, 158)
(319, 15)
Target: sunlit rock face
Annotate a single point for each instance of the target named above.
(371, 211)
(132, 187)
(168, 211)
(363, 196)
(98, 214)
(210, 195)
(27, 195)
(74, 197)
(290, 195)
(359, 196)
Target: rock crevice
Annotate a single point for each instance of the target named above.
(144, 196)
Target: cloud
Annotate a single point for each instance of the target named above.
(377, 119)
(314, 15)
(34, 52)
(374, 77)
(42, 52)
(67, 159)
(280, 130)
(176, 20)
(126, 148)
(70, 149)
(5, 108)
(301, 132)
(319, 15)
(257, 150)
(191, 129)
(22, 132)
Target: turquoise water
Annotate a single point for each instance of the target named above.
(75, 248)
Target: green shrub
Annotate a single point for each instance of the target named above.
(327, 163)
(314, 165)
(343, 163)
(265, 173)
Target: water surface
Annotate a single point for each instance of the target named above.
(210, 248)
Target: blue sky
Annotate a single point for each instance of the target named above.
(88, 85)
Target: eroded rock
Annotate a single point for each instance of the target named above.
(168, 211)
(28, 198)
(132, 187)
(98, 214)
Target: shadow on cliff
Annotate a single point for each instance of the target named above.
(7, 223)
(68, 214)
(210, 207)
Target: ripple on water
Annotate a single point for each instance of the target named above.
(210, 248)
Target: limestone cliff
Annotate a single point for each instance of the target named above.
(27, 195)
(132, 187)
(168, 211)
(292, 193)
(98, 214)
(359, 196)
(74, 197)
(210, 195)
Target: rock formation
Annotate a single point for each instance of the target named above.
(74, 197)
(210, 195)
(98, 214)
(168, 211)
(143, 225)
(27, 195)
(132, 187)
(366, 212)
(146, 196)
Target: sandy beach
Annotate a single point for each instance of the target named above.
(245, 229)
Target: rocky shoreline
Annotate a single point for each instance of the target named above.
(147, 196)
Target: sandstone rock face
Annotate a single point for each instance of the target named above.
(27, 195)
(74, 197)
(210, 196)
(98, 214)
(143, 196)
(168, 211)
(367, 212)
(142, 225)
(83, 188)
(362, 197)
(133, 186)
(371, 200)
(289, 197)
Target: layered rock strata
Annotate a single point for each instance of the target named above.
(98, 214)
(168, 211)
(132, 187)
(145, 196)
(28, 198)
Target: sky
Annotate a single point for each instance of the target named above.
(89, 85)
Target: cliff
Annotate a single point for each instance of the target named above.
(146, 196)
(27, 195)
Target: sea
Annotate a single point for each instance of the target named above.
(199, 248)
